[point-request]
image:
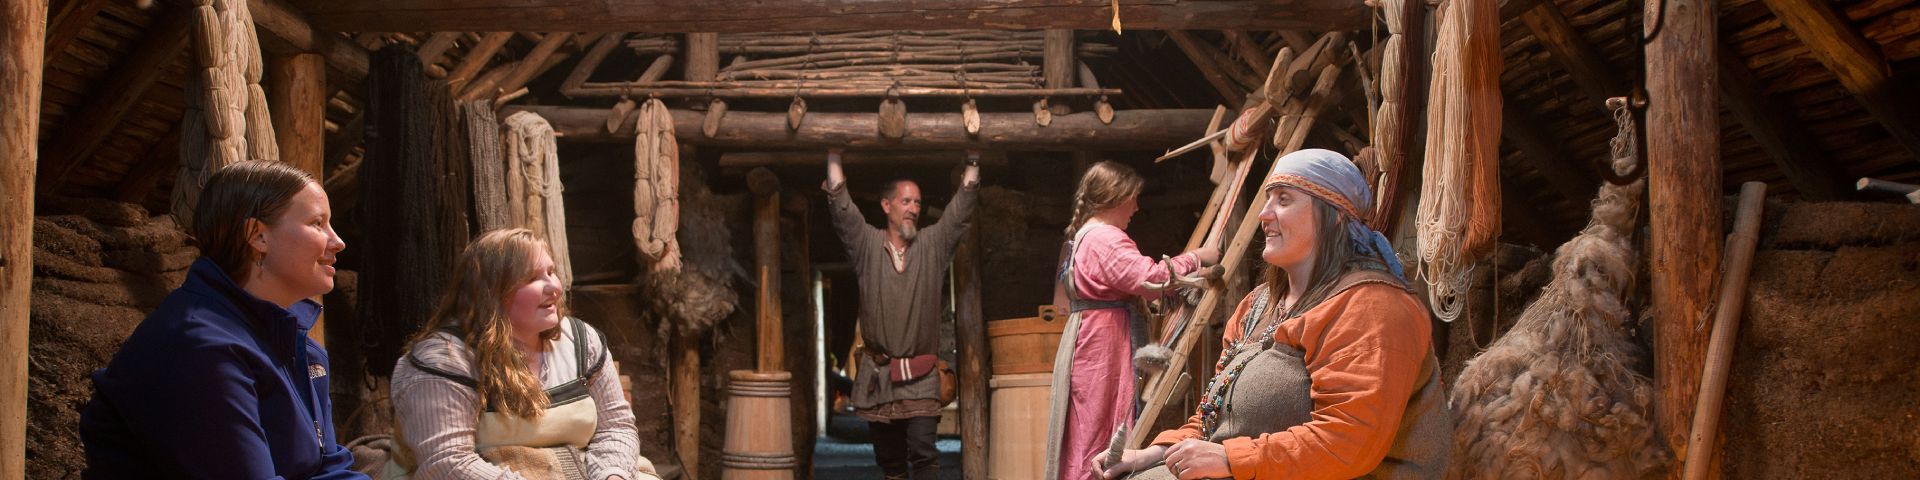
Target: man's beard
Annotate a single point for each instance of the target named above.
(907, 230)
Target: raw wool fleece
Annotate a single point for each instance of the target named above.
(701, 293)
(1558, 397)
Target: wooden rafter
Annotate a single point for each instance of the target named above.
(155, 164)
(733, 16)
(129, 81)
(74, 17)
(1777, 129)
(1213, 71)
(284, 31)
(1542, 152)
(1858, 63)
(1130, 130)
(478, 57)
(1589, 68)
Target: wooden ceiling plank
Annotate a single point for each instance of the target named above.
(1858, 63)
(1574, 53)
(85, 132)
(1542, 152)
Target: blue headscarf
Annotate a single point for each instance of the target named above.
(1333, 178)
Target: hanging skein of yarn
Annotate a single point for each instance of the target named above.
(1459, 217)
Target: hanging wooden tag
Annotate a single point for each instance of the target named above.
(619, 114)
(796, 112)
(893, 118)
(970, 115)
(1103, 110)
(715, 110)
(1041, 115)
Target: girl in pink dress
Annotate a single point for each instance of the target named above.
(1102, 274)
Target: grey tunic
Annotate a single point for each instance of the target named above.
(899, 310)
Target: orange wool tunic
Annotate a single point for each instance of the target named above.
(1364, 349)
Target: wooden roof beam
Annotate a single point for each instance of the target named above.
(737, 16)
(1210, 67)
(88, 129)
(1589, 68)
(1778, 131)
(1542, 152)
(74, 17)
(1130, 130)
(284, 31)
(1858, 63)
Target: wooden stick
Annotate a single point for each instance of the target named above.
(815, 90)
(534, 63)
(595, 56)
(1726, 322)
(766, 241)
(686, 402)
(437, 46)
(1876, 185)
(970, 338)
(1130, 130)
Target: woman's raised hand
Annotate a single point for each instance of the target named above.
(1130, 460)
(1207, 255)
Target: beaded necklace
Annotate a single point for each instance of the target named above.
(1214, 404)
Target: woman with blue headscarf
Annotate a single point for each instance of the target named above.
(1328, 369)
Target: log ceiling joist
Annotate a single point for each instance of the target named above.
(1130, 130)
(1542, 152)
(1778, 131)
(734, 16)
(73, 18)
(1589, 68)
(284, 30)
(1857, 62)
(89, 129)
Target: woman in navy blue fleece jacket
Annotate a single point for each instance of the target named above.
(221, 381)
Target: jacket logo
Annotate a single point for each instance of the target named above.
(315, 370)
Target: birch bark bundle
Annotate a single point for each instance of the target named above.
(656, 189)
(533, 185)
(226, 119)
(1460, 208)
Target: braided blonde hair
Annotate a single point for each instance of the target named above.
(1106, 185)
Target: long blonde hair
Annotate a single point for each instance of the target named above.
(474, 303)
(1105, 185)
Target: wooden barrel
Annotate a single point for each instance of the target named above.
(1018, 429)
(1025, 345)
(759, 443)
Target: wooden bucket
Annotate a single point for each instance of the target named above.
(1018, 428)
(1025, 345)
(759, 444)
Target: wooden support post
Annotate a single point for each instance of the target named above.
(703, 56)
(23, 27)
(297, 92)
(87, 130)
(1683, 185)
(1858, 63)
(686, 402)
(1702, 444)
(970, 337)
(766, 254)
(1778, 131)
(1057, 60)
(1130, 130)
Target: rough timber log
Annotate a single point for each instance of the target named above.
(766, 254)
(284, 31)
(1683, 185)
(1131, 130)
(297, 91)
(23, 28)
(970, 338)
(737, 16)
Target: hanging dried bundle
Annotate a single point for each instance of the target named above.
(796, 112)
(970, 117)
(656, 189)
(1460, 201)
(1042, 114)
(716, 110)
(1558, 396)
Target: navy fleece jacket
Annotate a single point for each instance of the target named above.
(215, 383)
